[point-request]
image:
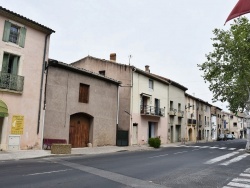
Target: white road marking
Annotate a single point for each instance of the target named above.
(180, 152)
(231, 148)
(241, 180)
(236, 159)
(239, 185)
(158, 156)
(195, 149)
(241, 149)
(204, 147)
(247, 170)
(196, 146)
(217, 159)
(223, 148)
(213, 147)
(227, 187)
(47, 172)
(245, 175)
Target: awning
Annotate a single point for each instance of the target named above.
(3, 109)
(146, 95)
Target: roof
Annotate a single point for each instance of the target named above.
(198, 99)
(72, 68)
(21, 19)
(150, 75)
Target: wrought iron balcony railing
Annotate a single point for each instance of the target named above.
(152, 110)
(11, 81)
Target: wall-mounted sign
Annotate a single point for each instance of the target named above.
(17, 124)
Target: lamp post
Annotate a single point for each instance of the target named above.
(248, 124)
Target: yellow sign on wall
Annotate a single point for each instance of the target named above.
(17, 124)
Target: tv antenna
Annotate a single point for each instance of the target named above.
(129, 57)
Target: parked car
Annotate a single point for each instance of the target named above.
(222, 137)
(230, 136)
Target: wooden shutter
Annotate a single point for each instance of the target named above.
(84, 93)
(5, 63)
(15, 65)
(6, 33)
(22, 36)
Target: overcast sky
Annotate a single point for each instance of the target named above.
(171, 36)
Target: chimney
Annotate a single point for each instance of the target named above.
(147, 68)
(113, 57)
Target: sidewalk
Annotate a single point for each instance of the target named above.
(28, 154)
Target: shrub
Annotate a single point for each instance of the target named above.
(154, 142)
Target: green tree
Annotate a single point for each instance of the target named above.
(227, 68)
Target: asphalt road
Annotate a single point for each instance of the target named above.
(202, 165)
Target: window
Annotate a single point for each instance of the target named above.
(10, 63)
(13, 33)
(9, 78)
(102, 72)
(235, 124)
(151, 84)
(84, 93)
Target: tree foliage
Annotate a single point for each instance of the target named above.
(227, 68)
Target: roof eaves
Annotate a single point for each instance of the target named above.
(53, 62)
(10, 13)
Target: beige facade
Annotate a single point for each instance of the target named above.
(176, 112)
(190, 118)
(66, 113)
(24, 48)
(149, 103)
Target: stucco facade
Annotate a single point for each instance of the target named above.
(149, 108)
(23, 52)
(62, 103)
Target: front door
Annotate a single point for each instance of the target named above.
(79, 130)
(135, 133)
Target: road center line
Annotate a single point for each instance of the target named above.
(47, 172)
(126, 180)
(180, 152)
(217, 159)
(158, 156)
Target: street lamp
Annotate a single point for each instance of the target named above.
(248, 124)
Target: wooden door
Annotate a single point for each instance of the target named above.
(79, 131)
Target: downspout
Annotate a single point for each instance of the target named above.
(44, 104)
(41, 86)
(117, 111)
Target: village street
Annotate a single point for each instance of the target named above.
(211, 164)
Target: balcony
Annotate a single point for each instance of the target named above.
(172, 112)
(152, 110)
(180, 113)
(11, 82)
(192, 122)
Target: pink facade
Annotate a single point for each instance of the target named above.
(23, 50)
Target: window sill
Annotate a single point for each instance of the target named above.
(13, 45)
(10, 91)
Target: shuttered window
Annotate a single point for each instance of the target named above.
(10, 63)
(13, 33)
(84, 93)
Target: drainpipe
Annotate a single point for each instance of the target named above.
(117, 112)
(41, 86)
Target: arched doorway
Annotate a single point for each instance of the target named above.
(190, 133)
(79, 130)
